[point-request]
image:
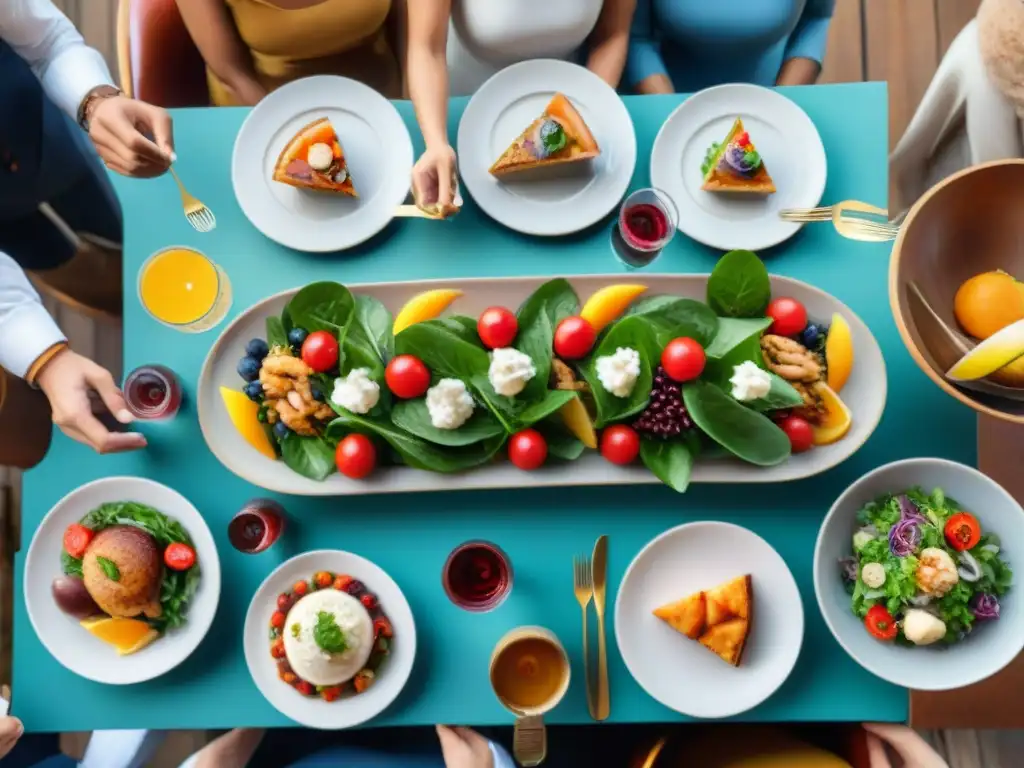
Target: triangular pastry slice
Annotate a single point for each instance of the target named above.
(735, 165)
(558, 136)
(314, 159)
(718, 618)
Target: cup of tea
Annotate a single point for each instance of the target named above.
(530, 675)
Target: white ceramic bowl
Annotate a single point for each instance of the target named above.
(991, 646)
(75, 647)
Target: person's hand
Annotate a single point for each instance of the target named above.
(10, 731)
(67, 380)
(912, 750)
(433, 180)
(464, 748)
(119, 128)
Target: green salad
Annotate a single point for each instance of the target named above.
(923, 569)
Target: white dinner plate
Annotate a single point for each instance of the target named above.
(351, 709)
(784, 136)
(556, 202)
(378, 151)
(75, 647)
(681, 673)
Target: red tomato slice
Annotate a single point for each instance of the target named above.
(881, 624)
(76, 539)
(179, 557)
(963, 531)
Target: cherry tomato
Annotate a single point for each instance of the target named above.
(620, 444)
(789, 317)
(683, 359)
(300, 588)
(963, 531)
(305, 688)
(382, 627)
(277, 649)
(497, 327)
(527, 449)
(407, 376)
(76, 539)
(322, 579)
(574, 338)
(179, 557)
(331, 693)
(880, 623)
(284, 602)
(799, 431)
(368, 600)
(355, 456)
(277, 620)
(341, 581)
(320, 351)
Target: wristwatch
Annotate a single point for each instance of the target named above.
(93, 97)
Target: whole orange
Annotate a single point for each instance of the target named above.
(988, 303)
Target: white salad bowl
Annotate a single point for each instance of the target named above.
(991, 645)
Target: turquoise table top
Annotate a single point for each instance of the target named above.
(410, 535)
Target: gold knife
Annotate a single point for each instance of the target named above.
(603, 705)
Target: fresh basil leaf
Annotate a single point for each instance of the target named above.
(538, 317)
(671, 461)
(323, 306)
(747, 434)
(277, 336)
(417, 452)
(109, 567)
(444, 349)
(634, 332)
(327, 634)
(413, 416)
(675, 317)
(371, 327)
(562, 444)
(311, 457)
(734, 332)
(739, 285)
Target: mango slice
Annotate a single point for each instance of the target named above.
(837, 420)
(608, 304)
(424, 306)
(839, 352)
(244, 415)
(577, 420)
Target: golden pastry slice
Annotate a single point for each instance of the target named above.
(558, 136)
(718, 618)
(686, 616)
(314, 159)
(735, 165)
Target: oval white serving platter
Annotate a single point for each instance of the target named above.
(864, 393)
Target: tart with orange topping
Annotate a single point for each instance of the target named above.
(558, 136)
(735, 165)
(314, 159)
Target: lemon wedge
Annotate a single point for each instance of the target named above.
(837, 420)
(839, 352)
(607, 304)
(126, 635)
(577, 420)
(424, 306)
(998, 350)
(244, 415)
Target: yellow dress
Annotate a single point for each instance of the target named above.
(333, 37)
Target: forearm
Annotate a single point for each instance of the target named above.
(234, 749)
(655, 84)
(28, 335)
(609, 42)
(427, 81)
(798, 71)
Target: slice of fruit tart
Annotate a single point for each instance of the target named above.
(314, 159)
(558, 136)
(718, 618)
(736, 166)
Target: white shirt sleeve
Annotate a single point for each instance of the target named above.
(49, 42)
(26, 328)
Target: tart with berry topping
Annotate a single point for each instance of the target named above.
(735, 165)
(558, 136)
(314, 159)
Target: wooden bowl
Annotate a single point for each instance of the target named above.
(969, 223)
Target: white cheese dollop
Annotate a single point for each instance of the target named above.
(509, 371)
(449, 404)
(922, 628)
(749, 382)
(873, 575)
(356, 392)
(618, 373)
(320, 156)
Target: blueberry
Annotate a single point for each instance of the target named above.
(280, 430)
(296, 336)
(249, 368)
(809, 337)
(257, 348)
(254, 391)
(315, 390)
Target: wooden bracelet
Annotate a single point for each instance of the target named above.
(48, 354)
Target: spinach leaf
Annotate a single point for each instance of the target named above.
(671, 461)
(277, 336)
(322, 306)
(732, 332)
(562, 444)
(371, 327)
(538, 317)
(551, 402)
(739, 285)
(311, 457)
(416, 452)
(462, 326)
(71, 566)
(444, 349)
(414, 417)
(635, 332)
(745, 433)
(782, 395)
(675, 317)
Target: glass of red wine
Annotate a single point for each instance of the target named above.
(477, 576)
(647, 223)
(152, 392)
(256, 526)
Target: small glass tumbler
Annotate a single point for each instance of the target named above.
(477, 576)
(647, 223)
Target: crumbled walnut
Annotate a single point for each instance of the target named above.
(790, 359)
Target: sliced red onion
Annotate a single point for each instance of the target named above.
(904, 538)
(985, 607)
(909, 510)
(969, 569)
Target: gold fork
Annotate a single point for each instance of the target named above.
(848, 222)
(199, 216)
(582, 584)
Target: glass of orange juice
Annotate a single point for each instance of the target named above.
(184, 289)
